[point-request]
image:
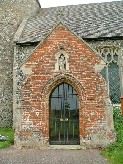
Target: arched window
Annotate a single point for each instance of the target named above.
(111, 72)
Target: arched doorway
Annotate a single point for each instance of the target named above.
(64, 116)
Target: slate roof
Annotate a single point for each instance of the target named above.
(96, 20)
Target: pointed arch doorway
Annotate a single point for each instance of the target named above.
(64, 116)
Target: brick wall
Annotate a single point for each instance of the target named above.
(42, 78)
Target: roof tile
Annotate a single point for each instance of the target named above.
(86, 20)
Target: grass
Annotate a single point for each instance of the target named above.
(7, 132)
(114, 152)
(114, 157)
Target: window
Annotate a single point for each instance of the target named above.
(111, 72)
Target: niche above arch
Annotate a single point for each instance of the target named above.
(61, 61)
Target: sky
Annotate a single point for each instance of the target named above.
(54, 3)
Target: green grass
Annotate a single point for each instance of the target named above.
(114, 157)
(114, 152)
(7, 132)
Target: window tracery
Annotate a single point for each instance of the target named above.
(111, 72)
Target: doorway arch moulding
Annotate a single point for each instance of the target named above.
(67, 78)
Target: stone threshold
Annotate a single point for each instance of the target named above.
(69, 147)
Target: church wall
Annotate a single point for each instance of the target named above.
(11, 15)
(39, 75)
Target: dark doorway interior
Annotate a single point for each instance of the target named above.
(64, 116)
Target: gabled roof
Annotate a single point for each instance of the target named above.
(96, 20)
(61, 24)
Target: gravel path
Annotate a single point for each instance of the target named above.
(31, 156)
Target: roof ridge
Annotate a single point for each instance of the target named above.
(86, 4)
(84, 21)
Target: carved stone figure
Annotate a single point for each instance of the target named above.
(62, 62)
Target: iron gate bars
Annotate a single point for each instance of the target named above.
(64, 116)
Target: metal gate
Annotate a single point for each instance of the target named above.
(64, 116)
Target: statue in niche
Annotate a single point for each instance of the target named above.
(62, 62)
